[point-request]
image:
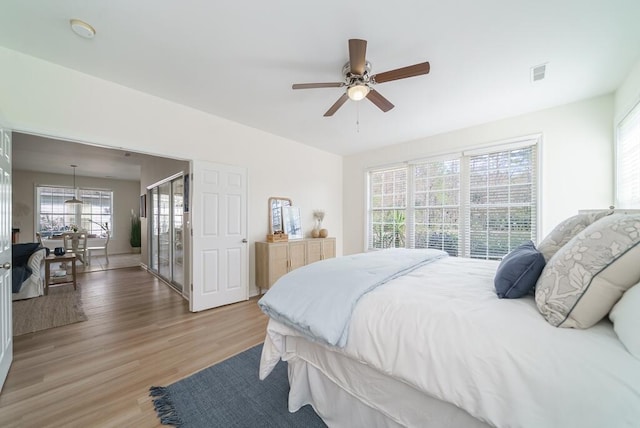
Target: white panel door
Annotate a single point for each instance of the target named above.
(219, 226)
(6, 323)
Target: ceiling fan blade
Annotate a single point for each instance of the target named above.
(402, 73)
(381, 102)
(343, 99)
(317, 85)
(357, 53)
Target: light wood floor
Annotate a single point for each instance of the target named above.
(139, 333)
(116, 261)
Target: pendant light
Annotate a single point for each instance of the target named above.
(73, 201)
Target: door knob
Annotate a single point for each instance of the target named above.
(6, 265)
(244, 241)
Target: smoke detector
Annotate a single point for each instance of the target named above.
(82, 29)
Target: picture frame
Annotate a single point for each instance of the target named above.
(291, 222)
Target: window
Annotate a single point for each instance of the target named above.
(436, 212)
(479, 204)
(57, 217)
(97, 207)
(502, 202)
(388, 208)
(628, 160)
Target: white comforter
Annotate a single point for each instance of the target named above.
(318, 299)
(442, 329)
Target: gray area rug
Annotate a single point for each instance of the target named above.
(229, 394)
(61, 307)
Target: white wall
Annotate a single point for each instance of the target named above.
(628, 93)
(40, 97)
(576, 161)
(125, 197)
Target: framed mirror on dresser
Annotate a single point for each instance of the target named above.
(276, 225)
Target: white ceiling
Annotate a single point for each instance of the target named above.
(36, 153)
(238, 59)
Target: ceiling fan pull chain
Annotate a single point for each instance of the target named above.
(358, 118)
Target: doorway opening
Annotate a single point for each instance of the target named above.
(42, 159)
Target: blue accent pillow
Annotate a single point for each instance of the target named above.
(519, 271)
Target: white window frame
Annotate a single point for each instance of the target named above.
(74, 210)
(369, 213)
(533, 141)
(464, 216)
(411, 210)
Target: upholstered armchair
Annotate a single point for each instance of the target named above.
(25, 258)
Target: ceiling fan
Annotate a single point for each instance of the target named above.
(359, 81)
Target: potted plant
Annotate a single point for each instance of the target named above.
(135, 238)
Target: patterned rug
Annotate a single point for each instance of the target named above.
(229, 394)
(60, 307)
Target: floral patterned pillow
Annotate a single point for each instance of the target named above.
(562, 233)
(587, 276)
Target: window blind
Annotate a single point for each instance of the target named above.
(436, 213)
(628, 160)
(480, 204)
(502, 202)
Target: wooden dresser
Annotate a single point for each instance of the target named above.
(274, 259)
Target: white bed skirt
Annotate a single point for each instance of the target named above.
(346, 393)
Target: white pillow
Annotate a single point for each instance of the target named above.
(587, 276)
(625, 317)
(562, 233)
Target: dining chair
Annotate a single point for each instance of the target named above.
(102, 247)
(67, 241)
(76, 242)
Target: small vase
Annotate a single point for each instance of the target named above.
(315, 233)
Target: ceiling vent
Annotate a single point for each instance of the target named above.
(538, 72)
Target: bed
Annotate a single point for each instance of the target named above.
(434, 345)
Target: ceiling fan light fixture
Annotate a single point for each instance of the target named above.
(358, 92)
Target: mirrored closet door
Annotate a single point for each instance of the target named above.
(165, 234)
